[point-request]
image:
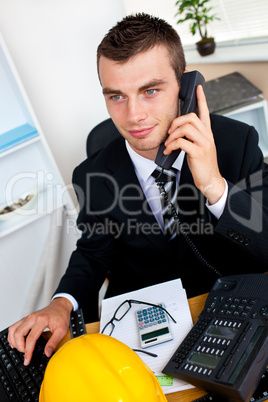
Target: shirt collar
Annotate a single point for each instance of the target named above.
(145, 167)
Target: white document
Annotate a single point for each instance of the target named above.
(175, 300)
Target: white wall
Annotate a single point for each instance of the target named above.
(53, 44)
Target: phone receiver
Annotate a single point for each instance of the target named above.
(187, 95)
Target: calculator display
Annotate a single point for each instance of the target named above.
(153, 334)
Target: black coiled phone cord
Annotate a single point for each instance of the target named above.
(190, 243)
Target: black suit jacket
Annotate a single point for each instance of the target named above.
(122, 240)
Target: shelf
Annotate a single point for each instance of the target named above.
(20, 146)
(256, 52)
(17, 136)
(45, 203)
(36, 239)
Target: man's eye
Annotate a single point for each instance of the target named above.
(117, 97)
(150, 91)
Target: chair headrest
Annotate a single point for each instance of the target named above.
(100, 136)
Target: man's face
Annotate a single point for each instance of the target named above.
(141, 96)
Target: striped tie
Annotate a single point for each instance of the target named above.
(168, 187)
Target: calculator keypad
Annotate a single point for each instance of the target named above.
(151, 316)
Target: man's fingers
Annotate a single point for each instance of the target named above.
(54, 340)
(51, 345)
(24, 334)
(191, 131)
(30, 344)
(11, 332)
(203, 111)
(17, 334)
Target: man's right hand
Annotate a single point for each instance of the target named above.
(24, 333)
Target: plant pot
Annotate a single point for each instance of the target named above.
(206, 46)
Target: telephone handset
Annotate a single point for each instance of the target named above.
(187, 95)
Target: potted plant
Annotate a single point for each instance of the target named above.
(197, 11)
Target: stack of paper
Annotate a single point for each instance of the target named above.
(175, 300)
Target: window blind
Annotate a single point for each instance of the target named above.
(241, 21)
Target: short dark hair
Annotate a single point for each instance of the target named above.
(140, 32)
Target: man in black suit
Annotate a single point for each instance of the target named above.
(220, 175)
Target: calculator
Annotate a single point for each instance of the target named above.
(153, 326)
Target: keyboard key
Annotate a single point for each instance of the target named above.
(21, 383)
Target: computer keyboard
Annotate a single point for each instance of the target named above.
(19, 382)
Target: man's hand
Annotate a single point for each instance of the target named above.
(56, 317)
(200, 148)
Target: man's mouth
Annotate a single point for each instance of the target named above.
(142, 132)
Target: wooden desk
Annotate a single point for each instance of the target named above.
(196, 306)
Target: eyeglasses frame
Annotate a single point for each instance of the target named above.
(130, 301)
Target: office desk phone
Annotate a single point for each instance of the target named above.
(226, 352)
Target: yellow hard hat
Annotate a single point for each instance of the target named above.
(97, 367)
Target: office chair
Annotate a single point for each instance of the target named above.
(100, 136)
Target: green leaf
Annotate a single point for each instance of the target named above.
(189, 15)
(197, 11)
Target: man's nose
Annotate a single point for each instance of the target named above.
(136, 111)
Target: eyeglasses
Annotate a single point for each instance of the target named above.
(122, 310)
